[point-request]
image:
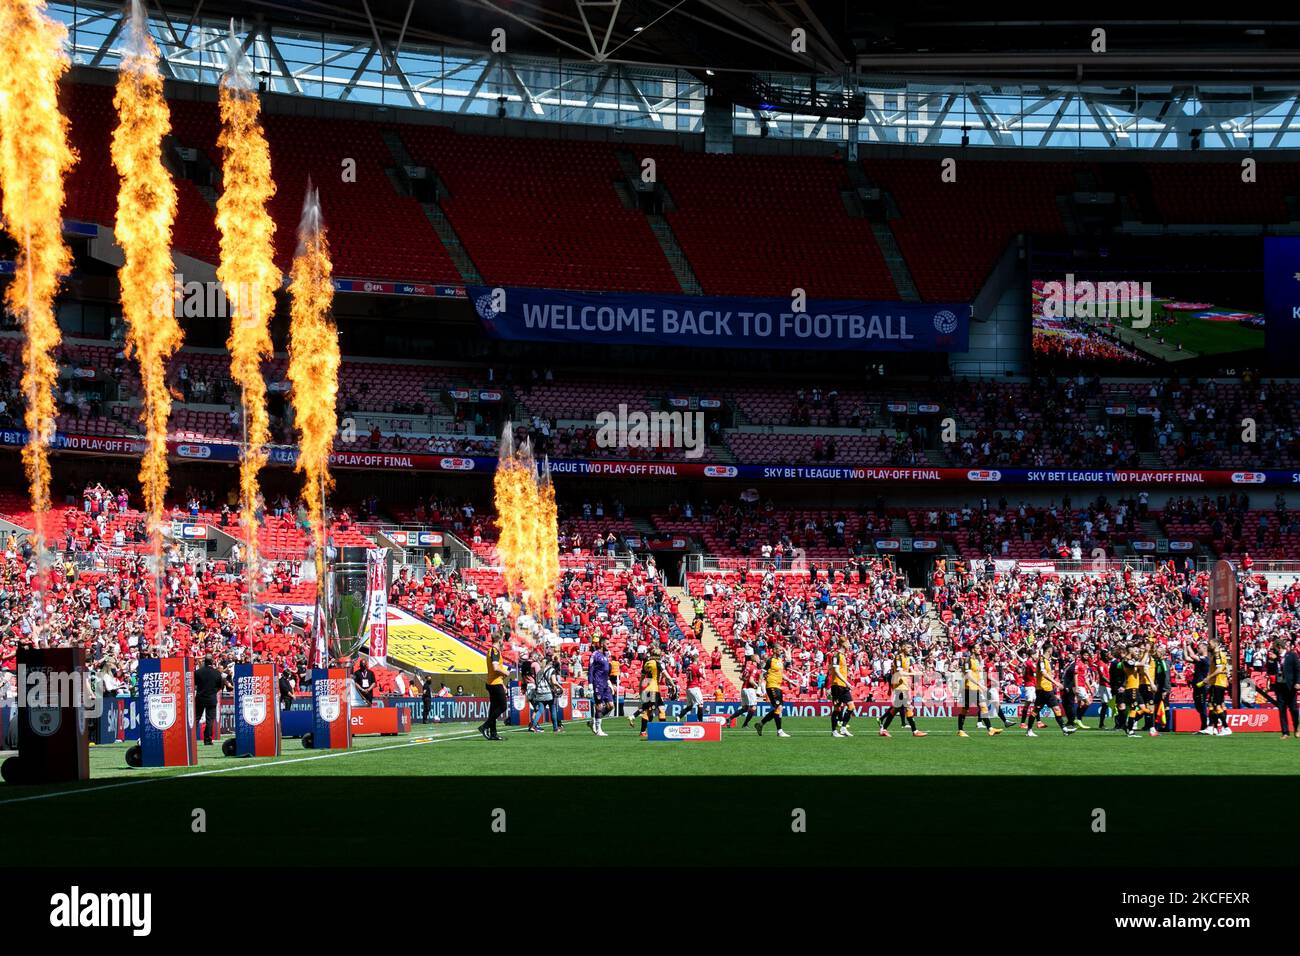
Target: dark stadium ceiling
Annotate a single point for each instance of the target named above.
(911, 39)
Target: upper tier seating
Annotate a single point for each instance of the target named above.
(542, 212)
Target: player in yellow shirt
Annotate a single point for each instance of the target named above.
(773, 676)
(841, 692)
(900, 684)
(975, 695)
(1146, 692)
(653, 679)
(1045, 687)
(496, 688)
(1217, 682)
(1130, 664)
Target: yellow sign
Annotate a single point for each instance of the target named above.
(417, 645)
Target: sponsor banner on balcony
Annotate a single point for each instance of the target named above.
(475, 395)
(379, 287)
(467, 464)
(416, 539)
(543, 315)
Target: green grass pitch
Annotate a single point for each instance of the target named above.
(455, 750)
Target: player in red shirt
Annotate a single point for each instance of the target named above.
(1028, 681)
(694, 691)
(749, 678)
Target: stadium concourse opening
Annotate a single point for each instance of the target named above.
(465, 422)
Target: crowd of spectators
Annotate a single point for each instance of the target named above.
(971, 606)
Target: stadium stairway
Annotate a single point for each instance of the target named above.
(709, 638)
(663, 232)
(432, 211)
(673, 252)
(722, 453)
(880, 228)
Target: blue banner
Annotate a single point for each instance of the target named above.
(544, 315)
(1282, 294)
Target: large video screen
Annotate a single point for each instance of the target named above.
(1154, 304)
(1282, 295)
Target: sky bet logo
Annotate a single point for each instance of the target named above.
(74, 909)
(684, 732)
(982, 475)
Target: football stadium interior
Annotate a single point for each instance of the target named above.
(648, 361)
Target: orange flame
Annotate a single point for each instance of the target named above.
(34, 157)
(512, 495)
(247, 270)
(146, 207)
(528, 531)
(314, 368)
(547, 530)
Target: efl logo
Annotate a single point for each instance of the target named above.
(693, 732)
(684, 732)
(720, 471)
(456, 464)
(983, 475)
(194, 451)
(1247, 477)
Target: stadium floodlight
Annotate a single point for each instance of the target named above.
(760, 95)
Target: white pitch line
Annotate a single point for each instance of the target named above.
(251, 766)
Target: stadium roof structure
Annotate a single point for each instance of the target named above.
(930, 73)
(741, 35)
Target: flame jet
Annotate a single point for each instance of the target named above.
(546, 531)
(512, 488)
(34, 159)
(314, 368)
(247, 271)
(528, 527)
(146, 208)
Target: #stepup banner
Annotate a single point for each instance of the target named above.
(166, 702)
(376, 625)
(257, 711)
(331, 708)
